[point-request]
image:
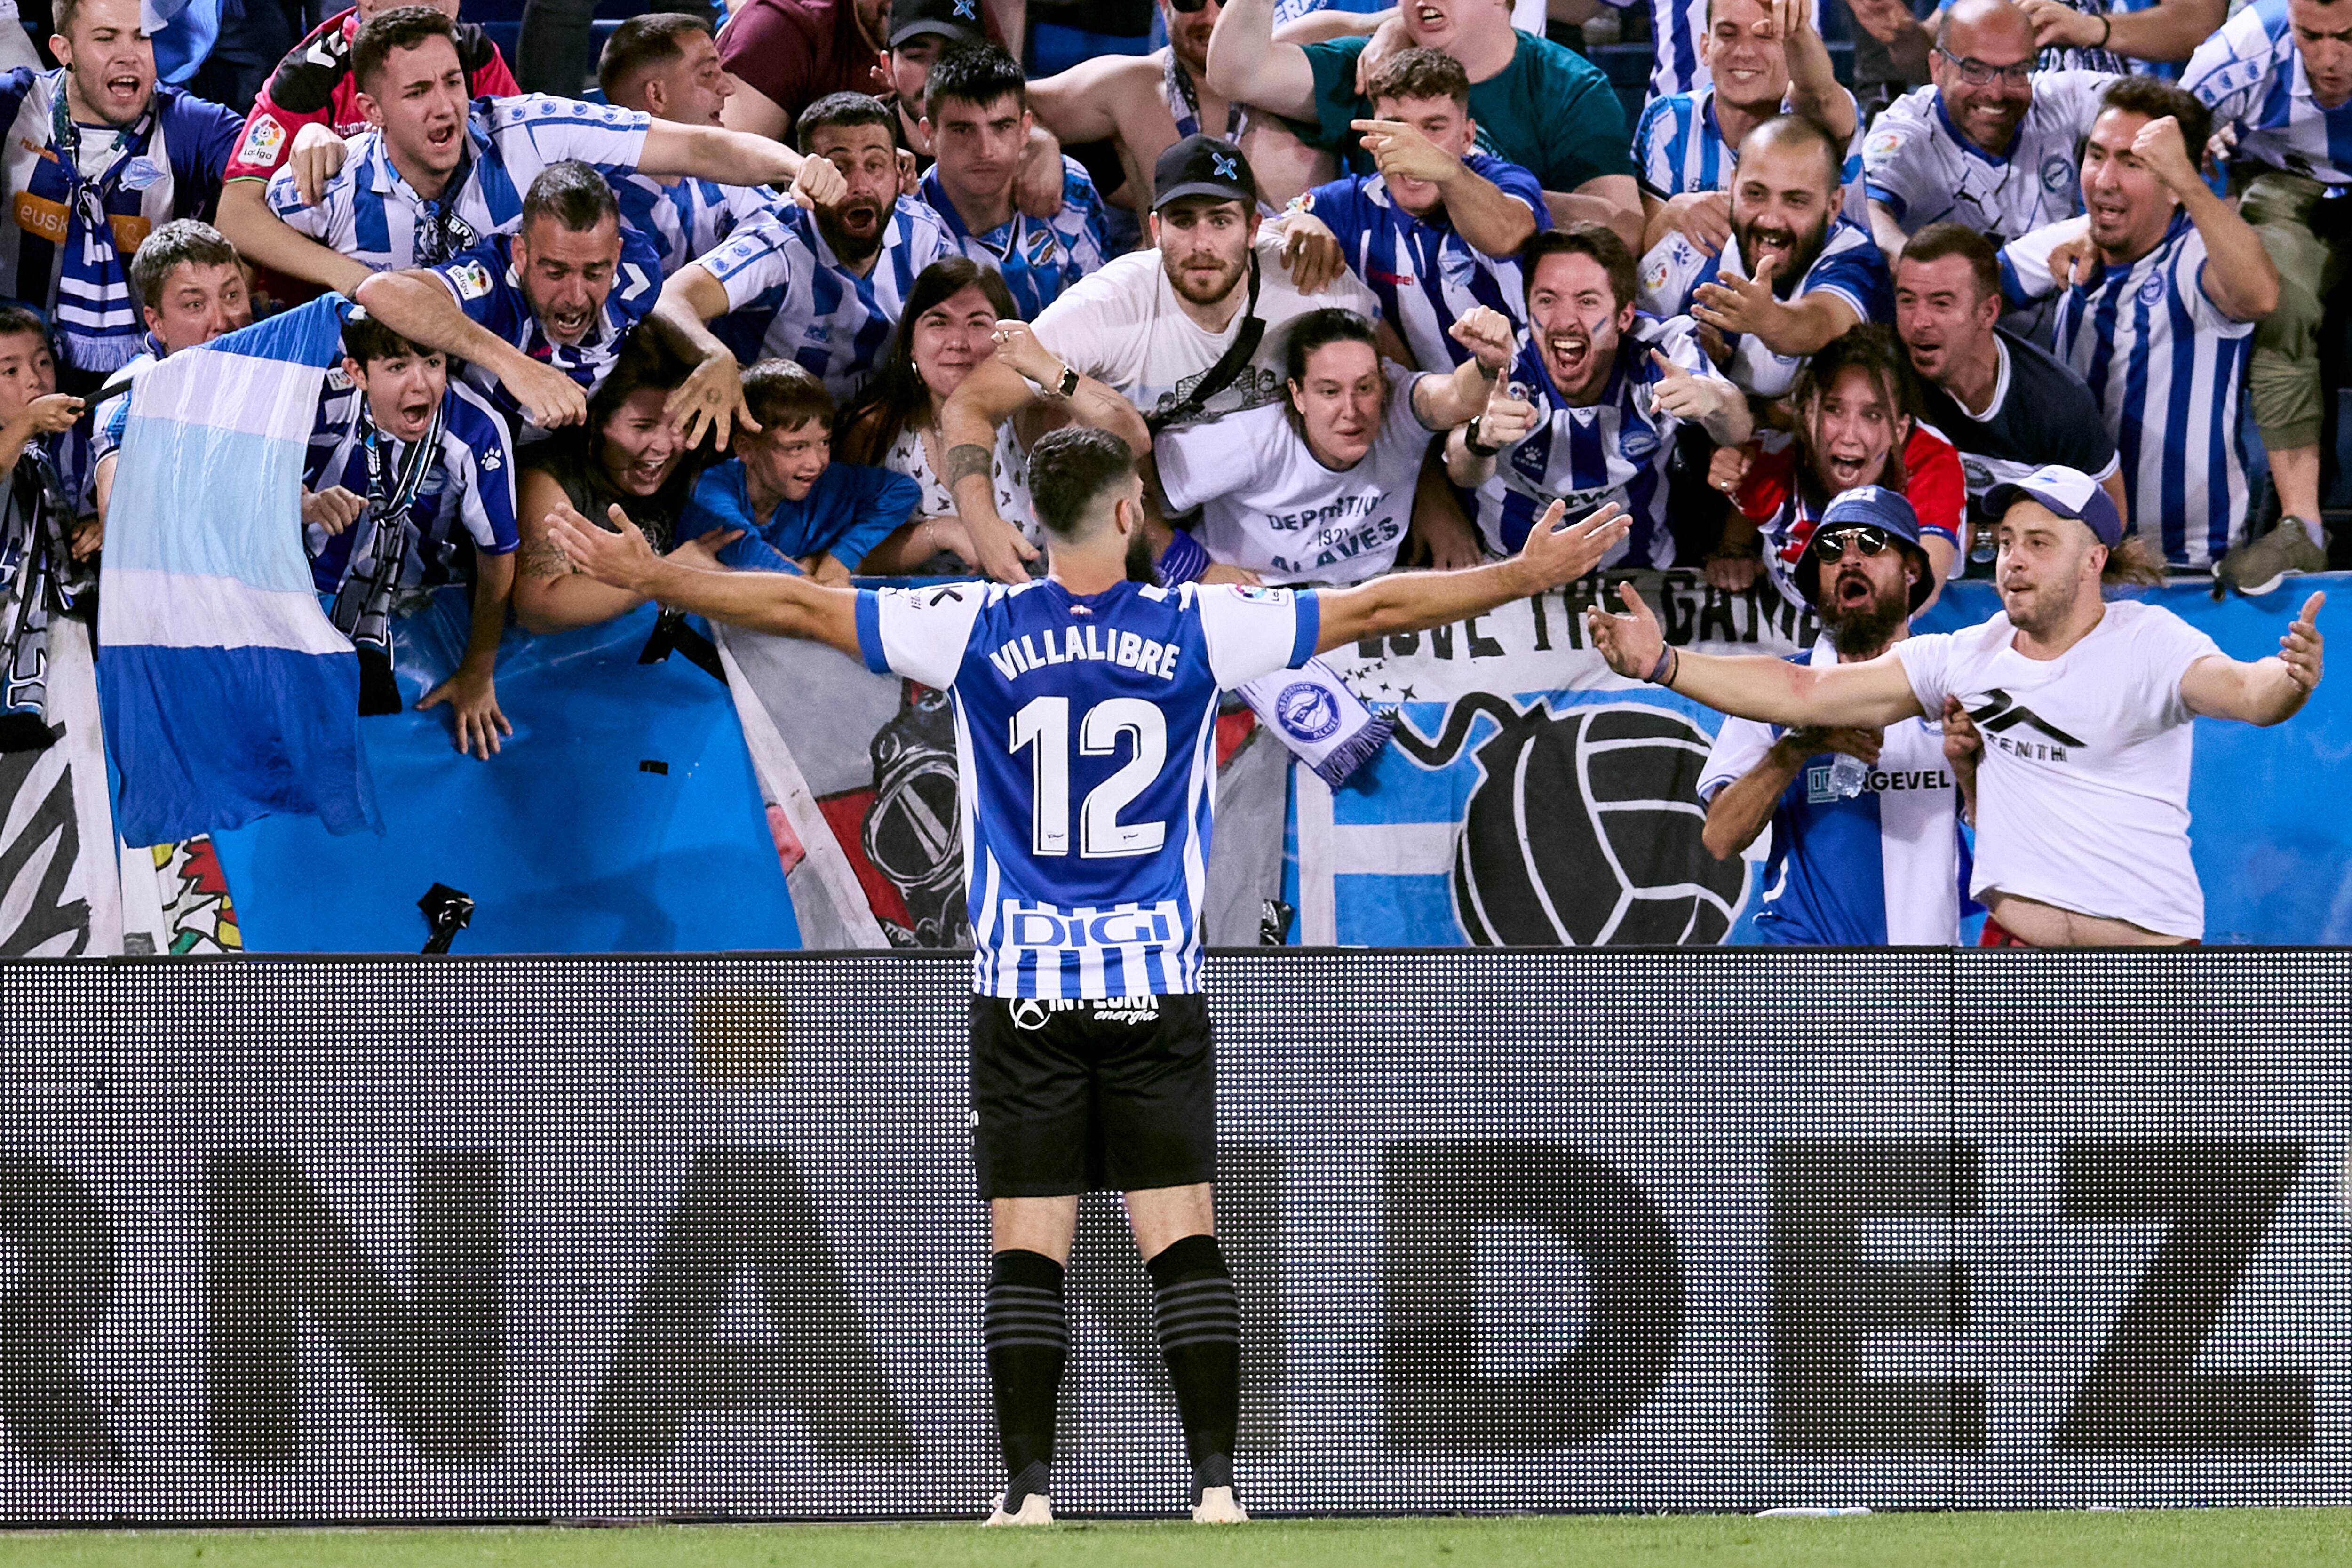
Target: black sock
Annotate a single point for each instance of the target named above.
(1028, 1338)
(1201, 1335)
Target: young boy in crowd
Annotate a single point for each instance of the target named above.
(797, 509)
(404, 460)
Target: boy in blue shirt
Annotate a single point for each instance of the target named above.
(798, 509)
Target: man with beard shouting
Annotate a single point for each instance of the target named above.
(2085, 709)
(832, 280)
(1793, 276)
(1863, 846)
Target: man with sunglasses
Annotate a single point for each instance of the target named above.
(1859, 826)
(1990, 143)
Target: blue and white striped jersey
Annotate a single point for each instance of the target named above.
(1850, 267)
(781, 278)
(1885, 866)
(1425, 274)
(1677, 29)
(1615, 448)
(372, 214)
(1916, 162)
(486, 287)
(687, 218)
(1037, 260)
(1678, 147)
(1086, 741)
(469, 490)
(167, 164)
(2166, 367)
(2252, 76)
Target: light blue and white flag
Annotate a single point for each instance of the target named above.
(184, 32)
(227, 694)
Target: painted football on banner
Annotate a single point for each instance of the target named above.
(1584, 831)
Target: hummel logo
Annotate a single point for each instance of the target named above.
(1228, 167)
(2002, 713)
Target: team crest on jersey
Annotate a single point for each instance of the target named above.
(1637, 442)
(471, 279)
(2151, 291)
(1040, 249)
(2056, 173)
(263, 138)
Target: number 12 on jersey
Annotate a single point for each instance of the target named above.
(1043, 725)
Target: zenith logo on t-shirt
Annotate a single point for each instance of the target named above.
(2002, 713)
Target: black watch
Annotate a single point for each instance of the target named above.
(1470, 440)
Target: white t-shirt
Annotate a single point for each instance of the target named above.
(2083, 793)
(1124, 326)
(1268, 504)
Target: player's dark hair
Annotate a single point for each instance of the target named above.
(1939, 240)
(184, 239)
(572, 193)
(641, 45)
(1582, 237)
(977, 74)
(894, 397)
(367, 340)
(784, 394)
(1802, 130)
(16, 320)
(1419, 74)
(402, 28)
(1069, 470)
(2147, 95)
(843, 109)
(1872, 349)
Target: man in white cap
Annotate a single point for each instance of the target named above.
(2083, 708)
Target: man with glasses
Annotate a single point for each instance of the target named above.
(1992, 144)
(1859, 826)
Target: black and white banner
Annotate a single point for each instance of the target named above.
(488, 1239)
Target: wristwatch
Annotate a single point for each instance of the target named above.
(1067, 387)
(1470, 440)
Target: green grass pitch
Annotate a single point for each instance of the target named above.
(2232, 1537)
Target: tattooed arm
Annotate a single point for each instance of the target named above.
(551, 595)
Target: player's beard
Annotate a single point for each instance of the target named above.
(1865, 633)
(1139, 557)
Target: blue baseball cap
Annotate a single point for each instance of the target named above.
(1868, 506)
(2069, 492)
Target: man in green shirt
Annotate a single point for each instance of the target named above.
(1540, 106)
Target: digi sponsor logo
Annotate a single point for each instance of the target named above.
(1125, 925)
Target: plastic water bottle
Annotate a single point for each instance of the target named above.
(1847, 775)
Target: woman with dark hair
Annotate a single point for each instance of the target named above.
(951, 314)
(627, 454)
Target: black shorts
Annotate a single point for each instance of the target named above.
(1069, 1097)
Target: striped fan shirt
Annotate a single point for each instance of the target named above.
(1917, 163)
(468, 496)
(1613, 449)
(1678, 27)
(368, 213)
(687, 218)
(1037, 260)
(2166, 367)
(485, 285)
(1425, 274)
(2251, 75)
(783, 282)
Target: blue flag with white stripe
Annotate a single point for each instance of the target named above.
(225, 692)
(184, 32)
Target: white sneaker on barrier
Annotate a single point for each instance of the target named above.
(1217, 1506)
(1035, 1508)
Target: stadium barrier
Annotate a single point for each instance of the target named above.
(405, 1241)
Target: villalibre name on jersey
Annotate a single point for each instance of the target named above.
(1018, 655)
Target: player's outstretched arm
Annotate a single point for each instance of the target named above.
(773, 602)
(1409, 601)
(1759, 687)
(2267, 690)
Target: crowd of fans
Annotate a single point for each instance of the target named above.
(797, 292)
